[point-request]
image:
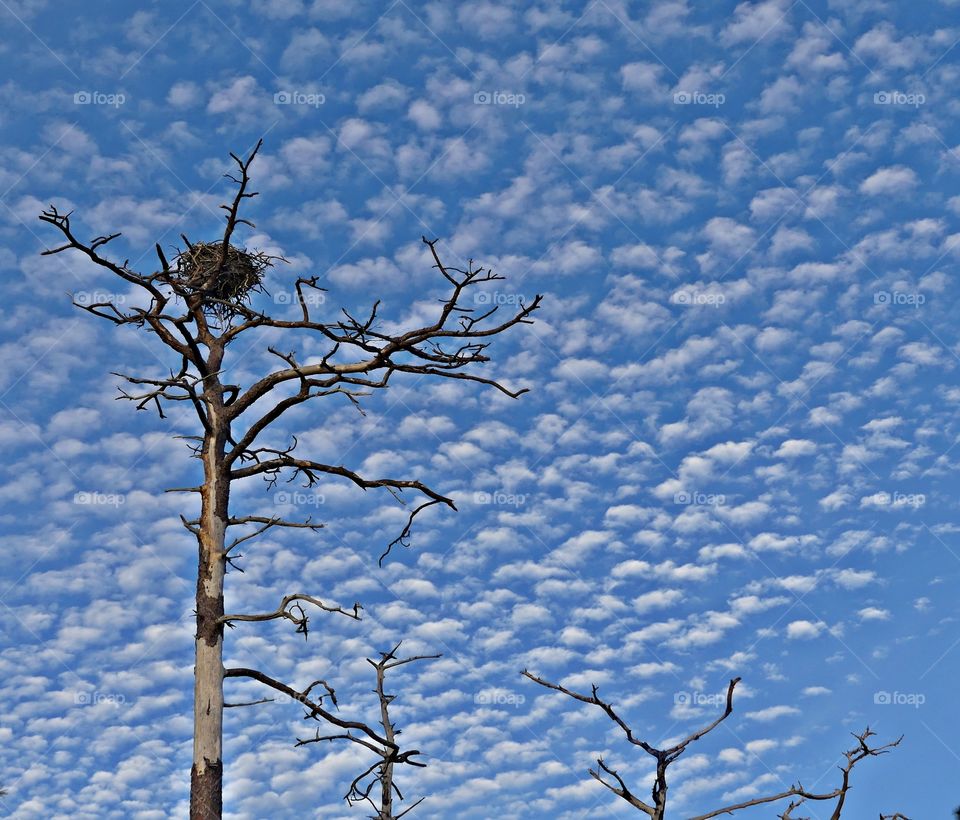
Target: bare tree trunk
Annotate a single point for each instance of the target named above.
(386, 780)
(206, 775)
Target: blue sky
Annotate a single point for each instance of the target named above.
(737, 456)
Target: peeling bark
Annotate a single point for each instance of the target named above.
(206, 775)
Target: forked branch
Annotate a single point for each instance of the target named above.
(656, 809)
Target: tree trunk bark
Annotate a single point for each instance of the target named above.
(386, 771)
(206, 775)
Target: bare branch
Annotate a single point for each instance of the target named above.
(403, 538)
(595, 700)
(296, 613)
(233, 209)
(665, 757)
(421, 343)
(621, 788)
(309, 471)
(266, 524)
(860, 752)
(674, 751)
(314, 709)
(248, 703)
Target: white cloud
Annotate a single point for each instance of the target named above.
(873, 613)
(804, 630)
(753, 22)
(656, 599)
(772, 713)
(424, 115)
(896, 180)
(796, 447)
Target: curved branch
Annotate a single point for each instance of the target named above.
(621, 789)
(314, 710)
(595, 700)
(296, 614)
(674, 751)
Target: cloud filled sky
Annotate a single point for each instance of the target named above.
(737, 456)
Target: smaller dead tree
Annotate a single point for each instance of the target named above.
(376, 785)
(797, 794)
(378, 779)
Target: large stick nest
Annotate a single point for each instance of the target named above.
(225, 282)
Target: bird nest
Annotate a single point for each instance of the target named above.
(225, 282)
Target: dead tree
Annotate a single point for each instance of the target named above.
(657, 808)
(379, 775)
(199, 305)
